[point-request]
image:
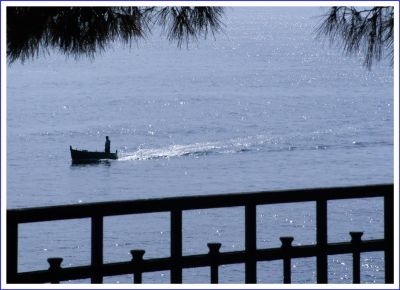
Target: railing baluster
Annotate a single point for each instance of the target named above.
(356, 242)
(54, 269)
(176, 246)
(97, 249)
(12, 250)
(322, 240)
(214, 253)
(286, 246)
(388, 204)
(137, 259)
(251, 243)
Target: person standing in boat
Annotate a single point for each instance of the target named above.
(107, 145)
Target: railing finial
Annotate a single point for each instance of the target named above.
(137, 259)
(286, 241)
(55, 263)
(54, 269)
(137, 255)
(356, 236)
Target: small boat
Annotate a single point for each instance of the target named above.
(84, 156)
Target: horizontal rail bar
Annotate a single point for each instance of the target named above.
(112, 208)
(202, 260)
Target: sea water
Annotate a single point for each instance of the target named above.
(264, 105)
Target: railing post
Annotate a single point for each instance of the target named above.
(322, 241)
(97, 249)
(388, 204)
(356, 242)
(54, 269)
(251, 243)
(137, 259)
(12, 250)
(214, 253)
(176, 246)
(286, 246)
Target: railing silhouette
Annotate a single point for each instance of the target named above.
(176, 262)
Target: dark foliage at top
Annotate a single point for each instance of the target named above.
(80, 31)
(86, 30)
(369, 31)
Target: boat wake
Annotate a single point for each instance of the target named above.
(197, 149)
(246, 144)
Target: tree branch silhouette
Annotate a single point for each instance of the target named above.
(84, 31)
(366, 31)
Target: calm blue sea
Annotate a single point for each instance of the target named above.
(263, 106)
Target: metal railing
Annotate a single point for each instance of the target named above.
(176, 262)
